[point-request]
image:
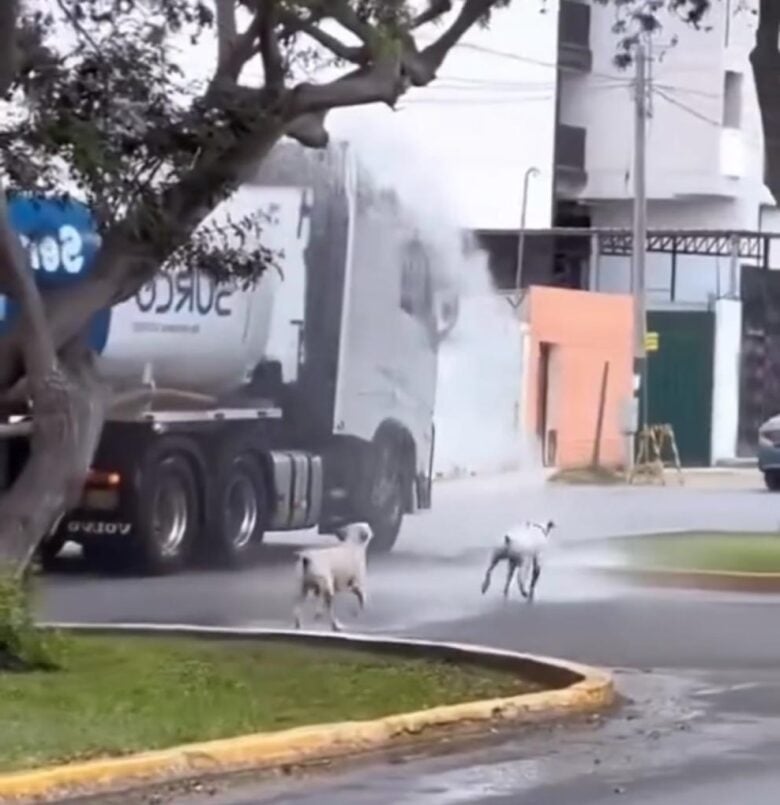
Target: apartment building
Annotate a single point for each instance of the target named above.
(704, 148)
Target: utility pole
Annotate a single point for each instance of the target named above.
(531, 172)
(639, 241)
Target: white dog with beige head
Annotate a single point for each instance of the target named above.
(324, 572)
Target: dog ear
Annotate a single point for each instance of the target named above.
(550, 526)
(507, 540)
(366, 534)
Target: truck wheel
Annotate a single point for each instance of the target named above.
(167, 513)
(772, 480)
(386, 507)
(239, 510)
(49, 550)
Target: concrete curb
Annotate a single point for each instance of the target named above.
(577, 689)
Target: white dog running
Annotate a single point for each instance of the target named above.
(323, 572)
(522, 548)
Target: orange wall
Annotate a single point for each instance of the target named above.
(586, 329)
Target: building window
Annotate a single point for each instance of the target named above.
(732, 100)
(416, 291)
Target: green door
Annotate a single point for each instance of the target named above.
(679, 383)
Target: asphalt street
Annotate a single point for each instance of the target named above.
(701, 722)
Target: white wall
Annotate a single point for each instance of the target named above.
(725, 393)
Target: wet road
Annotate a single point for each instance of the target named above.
(703, 719)
(435, 572)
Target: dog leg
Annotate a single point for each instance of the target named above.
(328, 597)
(536, 570)
(319, 611)
(361, 597)
(486, 581)
(510, 571)
(497, 557)
(520, 584)
(298, 609)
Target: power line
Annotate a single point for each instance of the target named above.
(507, 99)
(689, 109)
(504, 54)
(688, 91)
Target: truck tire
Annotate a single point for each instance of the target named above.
(387, 496)
(49, 550)
(238, 510)
(772, 480)
(167, 513)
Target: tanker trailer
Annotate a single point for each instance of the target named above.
(302, 400)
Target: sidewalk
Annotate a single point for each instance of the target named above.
(720, 478)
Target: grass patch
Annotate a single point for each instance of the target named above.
(23, 647)
(738, 552)
(114, 696)
(600, 476)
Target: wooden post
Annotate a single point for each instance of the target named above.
(600, 415)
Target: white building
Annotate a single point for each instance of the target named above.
(539, 87)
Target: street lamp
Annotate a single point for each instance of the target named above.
(532, 171)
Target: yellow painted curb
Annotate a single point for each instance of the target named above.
(733, 580)
(594, 691)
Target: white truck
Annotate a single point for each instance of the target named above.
(303, 400)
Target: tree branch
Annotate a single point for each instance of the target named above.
(234, 50)
(345, 15)
(273, 63)
(383, 82)
(350, 53)
(422, 68)
(436, 9)
(309, 130)
(227, 32)
(9, 12)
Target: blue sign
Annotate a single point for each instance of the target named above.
(61, 240)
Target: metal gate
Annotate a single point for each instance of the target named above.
(680, 382)
(759, 382)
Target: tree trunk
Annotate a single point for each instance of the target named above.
(69, 408)
(765, 60)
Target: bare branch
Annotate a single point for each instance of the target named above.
(273, 63)
(350, 53)
(383, 82)
(77, 26)
(431, 57)
(345, 15)
(436, 9)
(9, 11)
(235, 49)
(227, 32)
